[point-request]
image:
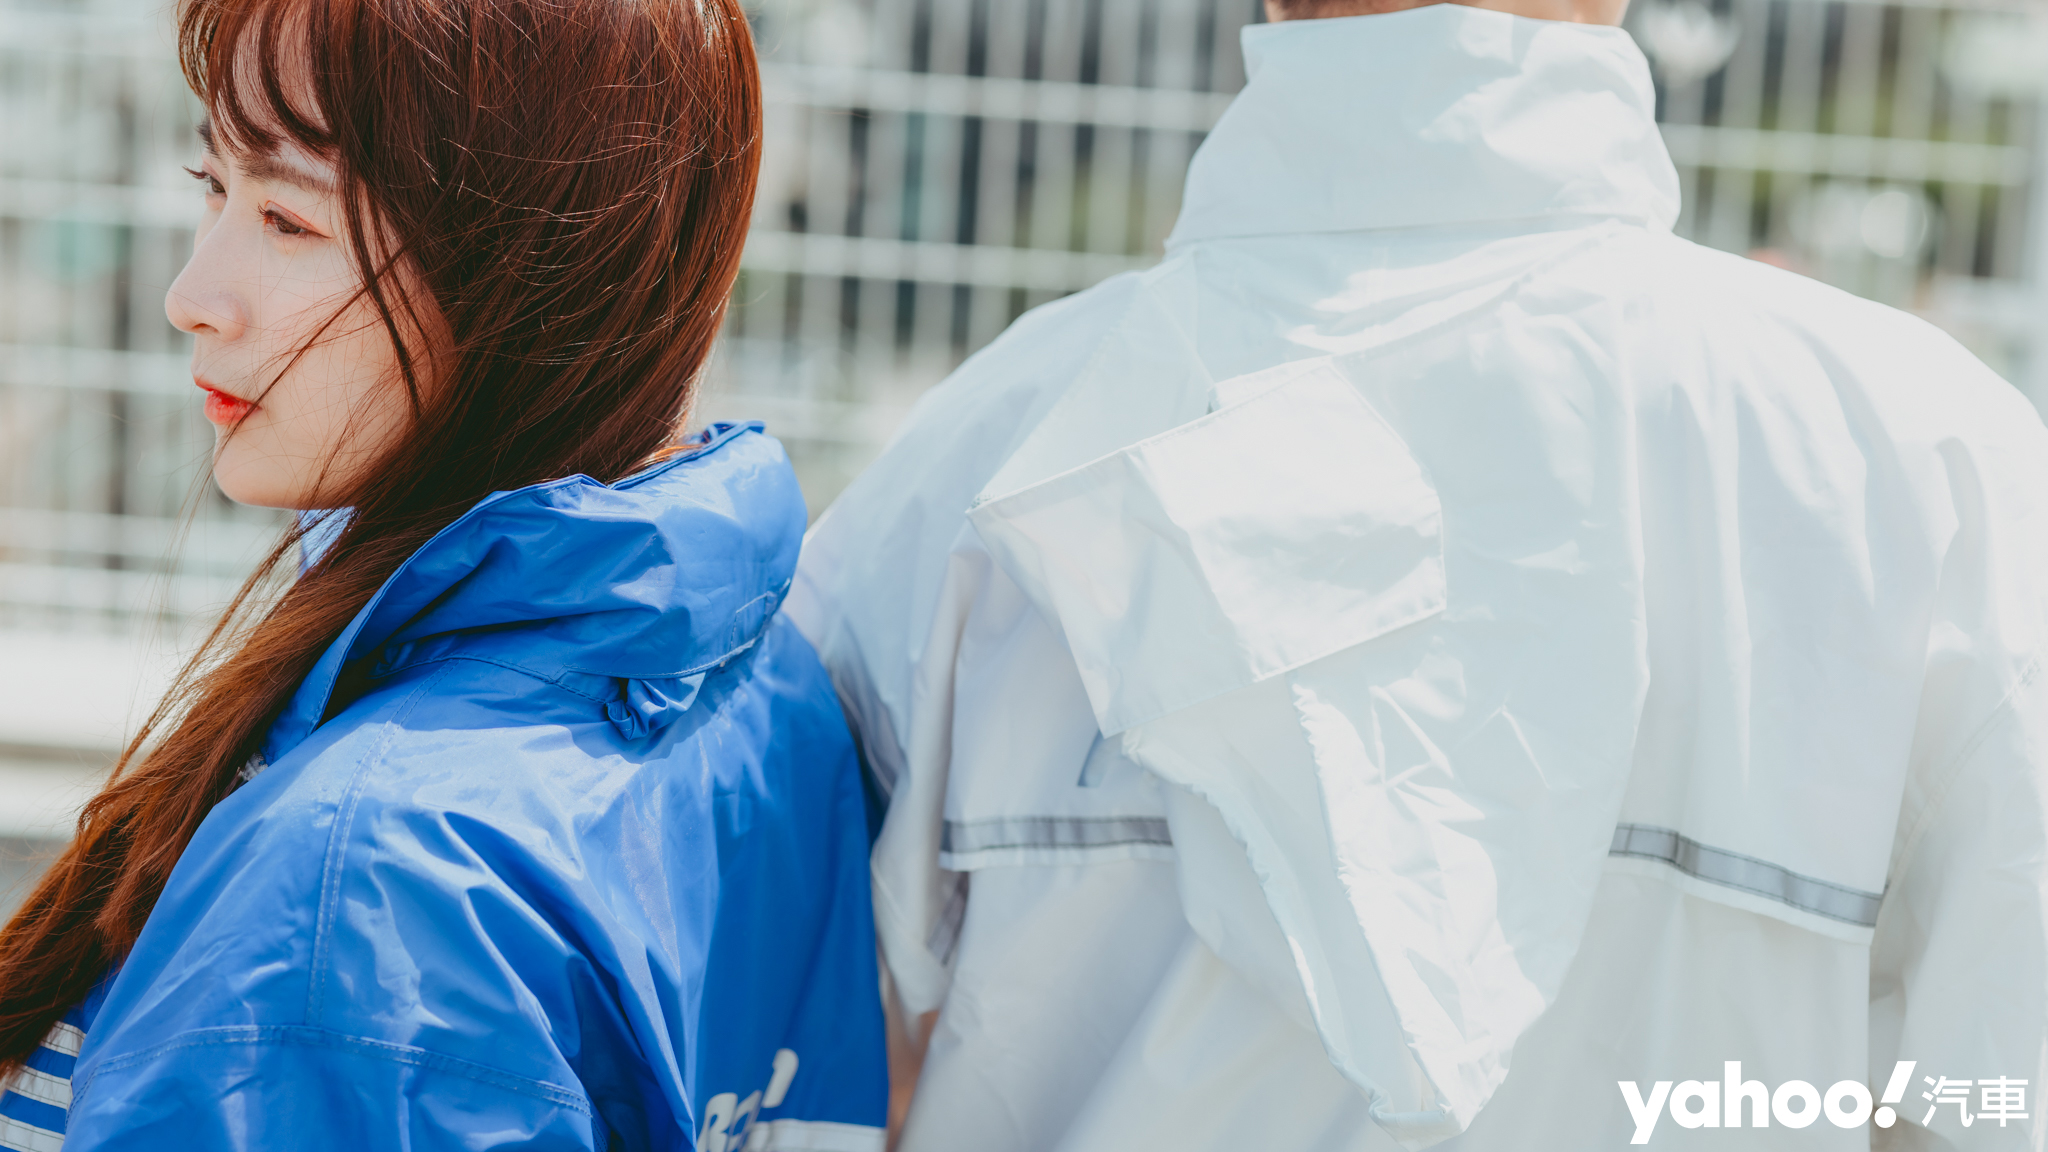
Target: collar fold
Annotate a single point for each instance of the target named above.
(659, 577)
(1436, 116)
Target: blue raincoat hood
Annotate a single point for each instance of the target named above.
(562, 844)
(651, 582)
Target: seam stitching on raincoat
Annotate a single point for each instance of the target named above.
(732, 633)
(330, 868)
(446, 657)
(733, 430)
(713, 664)
(1088, 366)
(733, 651)
(313, 1037)
(1937, 797)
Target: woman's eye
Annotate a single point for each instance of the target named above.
(282, 224)
(213, 186)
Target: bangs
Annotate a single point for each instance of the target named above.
(252, 64)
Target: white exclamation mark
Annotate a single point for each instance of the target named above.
(1895, 1091)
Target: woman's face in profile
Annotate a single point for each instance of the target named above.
(272, 274)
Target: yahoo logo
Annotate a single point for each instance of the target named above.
(1794, 1104)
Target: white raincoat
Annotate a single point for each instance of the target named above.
(1439, 645)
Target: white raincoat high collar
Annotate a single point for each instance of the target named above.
(1435, 116)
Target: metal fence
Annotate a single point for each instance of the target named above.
(1892, 149)
(933, 169)
(101, 450)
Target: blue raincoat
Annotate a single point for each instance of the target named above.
(576, 859)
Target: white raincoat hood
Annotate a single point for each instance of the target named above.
(1462, 537)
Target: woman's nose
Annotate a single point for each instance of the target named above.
(204, 297)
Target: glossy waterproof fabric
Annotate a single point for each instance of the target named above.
(580, 865)
(1531, 650)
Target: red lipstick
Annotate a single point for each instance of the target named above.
(222, 408)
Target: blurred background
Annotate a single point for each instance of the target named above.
(934, 168)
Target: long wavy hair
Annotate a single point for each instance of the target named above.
(558, 191)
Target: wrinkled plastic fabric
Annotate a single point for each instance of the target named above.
(578, 863)
(1469, 557)
(1382, 708)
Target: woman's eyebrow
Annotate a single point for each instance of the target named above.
(271, 167)
(268, 166)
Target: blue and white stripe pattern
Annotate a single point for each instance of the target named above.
(38, 1097)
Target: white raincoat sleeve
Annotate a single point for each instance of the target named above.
(1966, 910)
(885, 589)
(1966, 901)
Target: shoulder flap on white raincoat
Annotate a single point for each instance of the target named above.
(1228, 550)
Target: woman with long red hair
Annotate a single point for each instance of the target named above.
(503, 808)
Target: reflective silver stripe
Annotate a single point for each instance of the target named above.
(64, 1038)
(1746, 874)
(814, 1136)
(41, 1087)
(17, 1136)
(1052, 832)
